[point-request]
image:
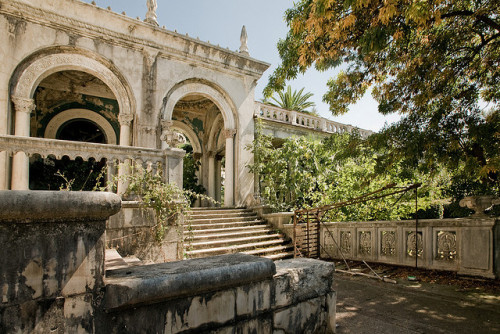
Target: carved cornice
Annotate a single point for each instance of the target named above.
(204, 104)
(23, 105)
(228, 61)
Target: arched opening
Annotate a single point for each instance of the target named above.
(75, 106)
(200, 120)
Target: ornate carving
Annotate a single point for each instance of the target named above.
(388, 243)
(365, 243)
(151, 17)
(345, 242)
(23, 105)
(414, 244)
(125, 119)
(169, 136)
(447, 245)
(78, 62)
(229, 133)
(244, 42)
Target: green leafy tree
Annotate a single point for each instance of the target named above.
(292, 100)
(431, 61)
(305, 172)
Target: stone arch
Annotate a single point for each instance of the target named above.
(212, 138)
(37, 68)
(60, 119)
(206, 89)
(190, 134)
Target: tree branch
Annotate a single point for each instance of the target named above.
(483, 18)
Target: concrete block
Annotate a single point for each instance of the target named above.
(218, 308)
(309, 278)
(305, 317)
(253, 299)
(159, 282)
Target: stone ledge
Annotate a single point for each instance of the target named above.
(149, 284)
(49, 206)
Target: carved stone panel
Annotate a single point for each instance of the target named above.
(365, 243)
(388, 243)
(345, 242)
(414, 244)
(446, 245)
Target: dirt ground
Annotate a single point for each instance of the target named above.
(436, 302)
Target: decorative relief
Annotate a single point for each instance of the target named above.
(345, 242)
(388, 243)
(125, 119)
(229, 133)
(23, 105)
(365, 243)
(446, 245)
(414, 244)
(78, 62)
(169, 136)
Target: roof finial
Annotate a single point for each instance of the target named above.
(244, 40)
(151, 17)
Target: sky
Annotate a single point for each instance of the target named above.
(220, 22)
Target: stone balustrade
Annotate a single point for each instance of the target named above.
(466, 246)
(170, 158)
(268, 112)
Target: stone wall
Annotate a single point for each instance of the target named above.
(468, 246)
(52, 259)
(130, 232)
(224, 294)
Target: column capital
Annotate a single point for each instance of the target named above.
(125, 119)
(197, 155)
(229, 133)
(211, 154)
(22, 104)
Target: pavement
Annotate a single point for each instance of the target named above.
(366, 305)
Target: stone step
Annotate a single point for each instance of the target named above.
(222, 225)
(226, 229)
(221, 215)
(221, 235)
(279, 256)
(269, 250)
(233, 248)
(234, 241)
(222, 220)
(201, 211)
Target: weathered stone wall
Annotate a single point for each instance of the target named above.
(130, 232)
(52, 260)
(225, 294)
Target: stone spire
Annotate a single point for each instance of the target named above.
(151, 17)
(244, 40)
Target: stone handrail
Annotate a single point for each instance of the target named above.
(295, 118)
(463, 245)
(59, 148)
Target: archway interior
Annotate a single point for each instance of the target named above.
(202, 116)
(56, 95)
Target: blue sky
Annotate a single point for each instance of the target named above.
(220, 22)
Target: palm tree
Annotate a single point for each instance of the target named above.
(296, 100)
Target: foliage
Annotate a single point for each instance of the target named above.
(190, 168)
(52, 174)
(296, 100)
(167, 200)
(307, 172)
(431, 61)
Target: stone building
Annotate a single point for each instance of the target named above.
(124, 89)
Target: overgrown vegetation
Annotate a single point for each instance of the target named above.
(437, 63)
(307, 172)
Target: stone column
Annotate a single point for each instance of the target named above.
(20, 163)
(229, 182)
(125, 140)
(211, 174)
(218, 178)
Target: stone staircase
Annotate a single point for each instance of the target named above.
(212, 231)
